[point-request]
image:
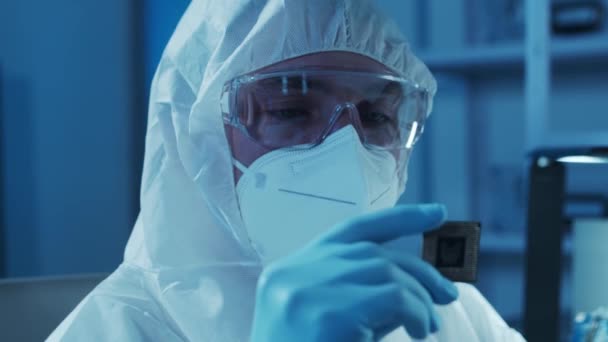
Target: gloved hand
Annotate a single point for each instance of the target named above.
(345, 286)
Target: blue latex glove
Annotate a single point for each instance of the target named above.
(345, 286)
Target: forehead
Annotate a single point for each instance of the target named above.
(330, 60)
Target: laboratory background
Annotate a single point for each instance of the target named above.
(518, 140)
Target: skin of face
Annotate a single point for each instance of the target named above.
(247, 151)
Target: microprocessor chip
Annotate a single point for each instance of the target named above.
(454, 249)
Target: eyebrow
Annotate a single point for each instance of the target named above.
(393, 88)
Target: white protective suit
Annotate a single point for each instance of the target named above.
(189, 271)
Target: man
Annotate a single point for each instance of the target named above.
(278, 141)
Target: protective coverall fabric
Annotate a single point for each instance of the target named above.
(189, 271)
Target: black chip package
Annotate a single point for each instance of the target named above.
(453, 249)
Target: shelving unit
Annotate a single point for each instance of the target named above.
(491, 58)
(510, 243)
(496, 103)
(480, 85)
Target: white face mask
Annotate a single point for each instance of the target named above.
(289, 197)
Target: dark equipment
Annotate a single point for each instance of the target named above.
(546, 224)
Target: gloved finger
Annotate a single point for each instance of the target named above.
(359, 250)
(380, 271)
(441, 289)
(411, 284)
(387, 307)
(374, 271)
(388, 225)
(370, 258)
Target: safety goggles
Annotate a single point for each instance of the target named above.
(299, 109)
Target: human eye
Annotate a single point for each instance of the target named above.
(289, 109)
(373, 114)
(285, 114)
(376, 118)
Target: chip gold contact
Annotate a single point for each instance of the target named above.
(454, 249)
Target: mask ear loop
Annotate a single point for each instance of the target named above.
(240, 166)
(259, 178)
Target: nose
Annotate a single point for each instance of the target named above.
(345, 114)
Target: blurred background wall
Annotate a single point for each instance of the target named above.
(71, 104)
(74, 79)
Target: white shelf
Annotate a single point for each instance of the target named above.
(482, 58)
(509, 243)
